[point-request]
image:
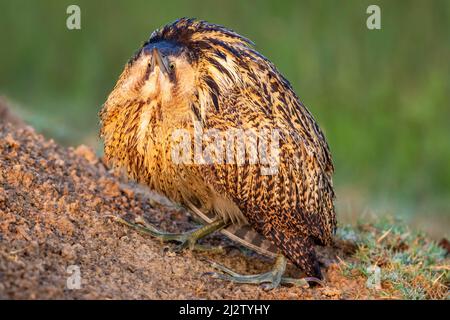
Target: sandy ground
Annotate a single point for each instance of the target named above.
(54, 208)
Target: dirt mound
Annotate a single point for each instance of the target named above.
(54, 208)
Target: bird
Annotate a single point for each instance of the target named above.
(169, 118)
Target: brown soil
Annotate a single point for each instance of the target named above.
(54, 207)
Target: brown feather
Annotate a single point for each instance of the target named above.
(221, 83)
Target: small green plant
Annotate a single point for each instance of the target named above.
(411, 265)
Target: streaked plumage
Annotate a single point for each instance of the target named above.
(221, 82)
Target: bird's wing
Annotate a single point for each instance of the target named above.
(300, 192)
(292, 205)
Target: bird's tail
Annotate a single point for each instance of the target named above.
(294, 246)
(299, 249)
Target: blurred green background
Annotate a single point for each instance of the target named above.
(382, 96)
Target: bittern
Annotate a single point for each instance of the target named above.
(192, 76)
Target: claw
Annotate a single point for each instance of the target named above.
(269, 286)
(187, 240)
(268, 281)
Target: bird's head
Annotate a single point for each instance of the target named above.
(160, 71)
(184, 69)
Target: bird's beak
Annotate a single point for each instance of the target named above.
(158, 60)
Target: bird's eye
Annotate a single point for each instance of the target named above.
(172, 66)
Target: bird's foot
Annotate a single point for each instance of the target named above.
(269, 280)
(187, 240)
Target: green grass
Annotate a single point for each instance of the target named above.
(412, 266)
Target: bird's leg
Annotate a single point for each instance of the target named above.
(269, 280)
(187, 239)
